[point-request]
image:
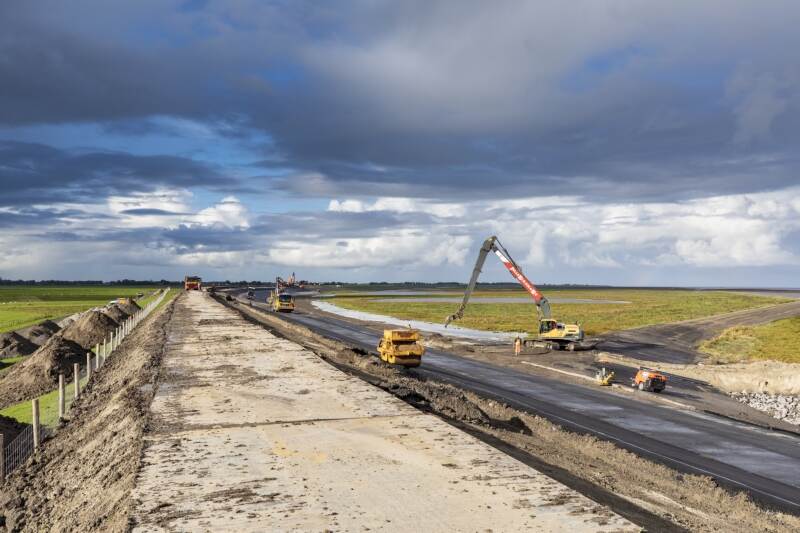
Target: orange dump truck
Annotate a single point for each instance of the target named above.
(191, 283)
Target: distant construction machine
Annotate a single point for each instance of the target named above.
(280, 301)
(192, 283)
(551, 333)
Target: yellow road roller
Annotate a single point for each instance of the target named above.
(401, 347)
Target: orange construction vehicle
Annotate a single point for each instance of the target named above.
(650, 380)
(191, 283)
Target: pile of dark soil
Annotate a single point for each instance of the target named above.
(82, 478)
(129, 307)
(38, 373)
(13, 344)
(9, 428)
(39, 333)
(90, 329)
(115, 312)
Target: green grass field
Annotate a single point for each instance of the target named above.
(777, 341)
(646, 307)
(22, 306)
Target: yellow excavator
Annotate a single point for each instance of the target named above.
(551, 333)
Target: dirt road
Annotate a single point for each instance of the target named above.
(252, 432)
(677, 342)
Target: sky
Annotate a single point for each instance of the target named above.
(618, 142)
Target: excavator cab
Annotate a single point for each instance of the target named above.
(559, 335)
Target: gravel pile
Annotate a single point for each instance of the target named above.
(782, 407)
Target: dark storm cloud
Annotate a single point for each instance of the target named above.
(35, 173)
(32, 216)
(447, 100)
(149, 211)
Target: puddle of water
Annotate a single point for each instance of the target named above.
(451, 331)
(501, 300)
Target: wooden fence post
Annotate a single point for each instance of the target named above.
(35, 406)
(76, 371)
(62, 396)
(88, 365)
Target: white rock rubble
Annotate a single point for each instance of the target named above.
(780, 406)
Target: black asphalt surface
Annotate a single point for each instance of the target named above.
(762, 462)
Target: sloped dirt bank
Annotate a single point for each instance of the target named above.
(81, 479)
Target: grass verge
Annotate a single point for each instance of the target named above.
(776, 341)
(646, 307)
(48, 407)
(22, 306)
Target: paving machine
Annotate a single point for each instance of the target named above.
(401, 347)
(551, 333)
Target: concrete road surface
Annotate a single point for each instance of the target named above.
(254, 433)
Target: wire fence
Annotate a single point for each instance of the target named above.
(15, 453)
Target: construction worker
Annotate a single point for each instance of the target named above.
(517, 346)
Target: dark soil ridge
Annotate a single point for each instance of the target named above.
(82, 478)
(39, 333)
(12, 344)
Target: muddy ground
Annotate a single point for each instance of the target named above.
(82, 477)
(652, 495)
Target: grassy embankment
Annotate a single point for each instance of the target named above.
(777, 341)
(646, 307)
(48, 403)
(22, 306)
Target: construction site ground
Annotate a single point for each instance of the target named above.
(251, 432)
(581, 366)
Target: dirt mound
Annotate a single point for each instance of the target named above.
(39, 333)
(38, 373)
(129, 307)
(90, 329)
(95, 456)
(9, 428)
(13, 344)
(115, 312)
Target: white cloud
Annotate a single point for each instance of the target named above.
(398, 205)
(229, 212)
(397, 249)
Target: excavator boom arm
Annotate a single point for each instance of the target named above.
(493, 245)
(488, 246)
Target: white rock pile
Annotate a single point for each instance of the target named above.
(780, 406)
